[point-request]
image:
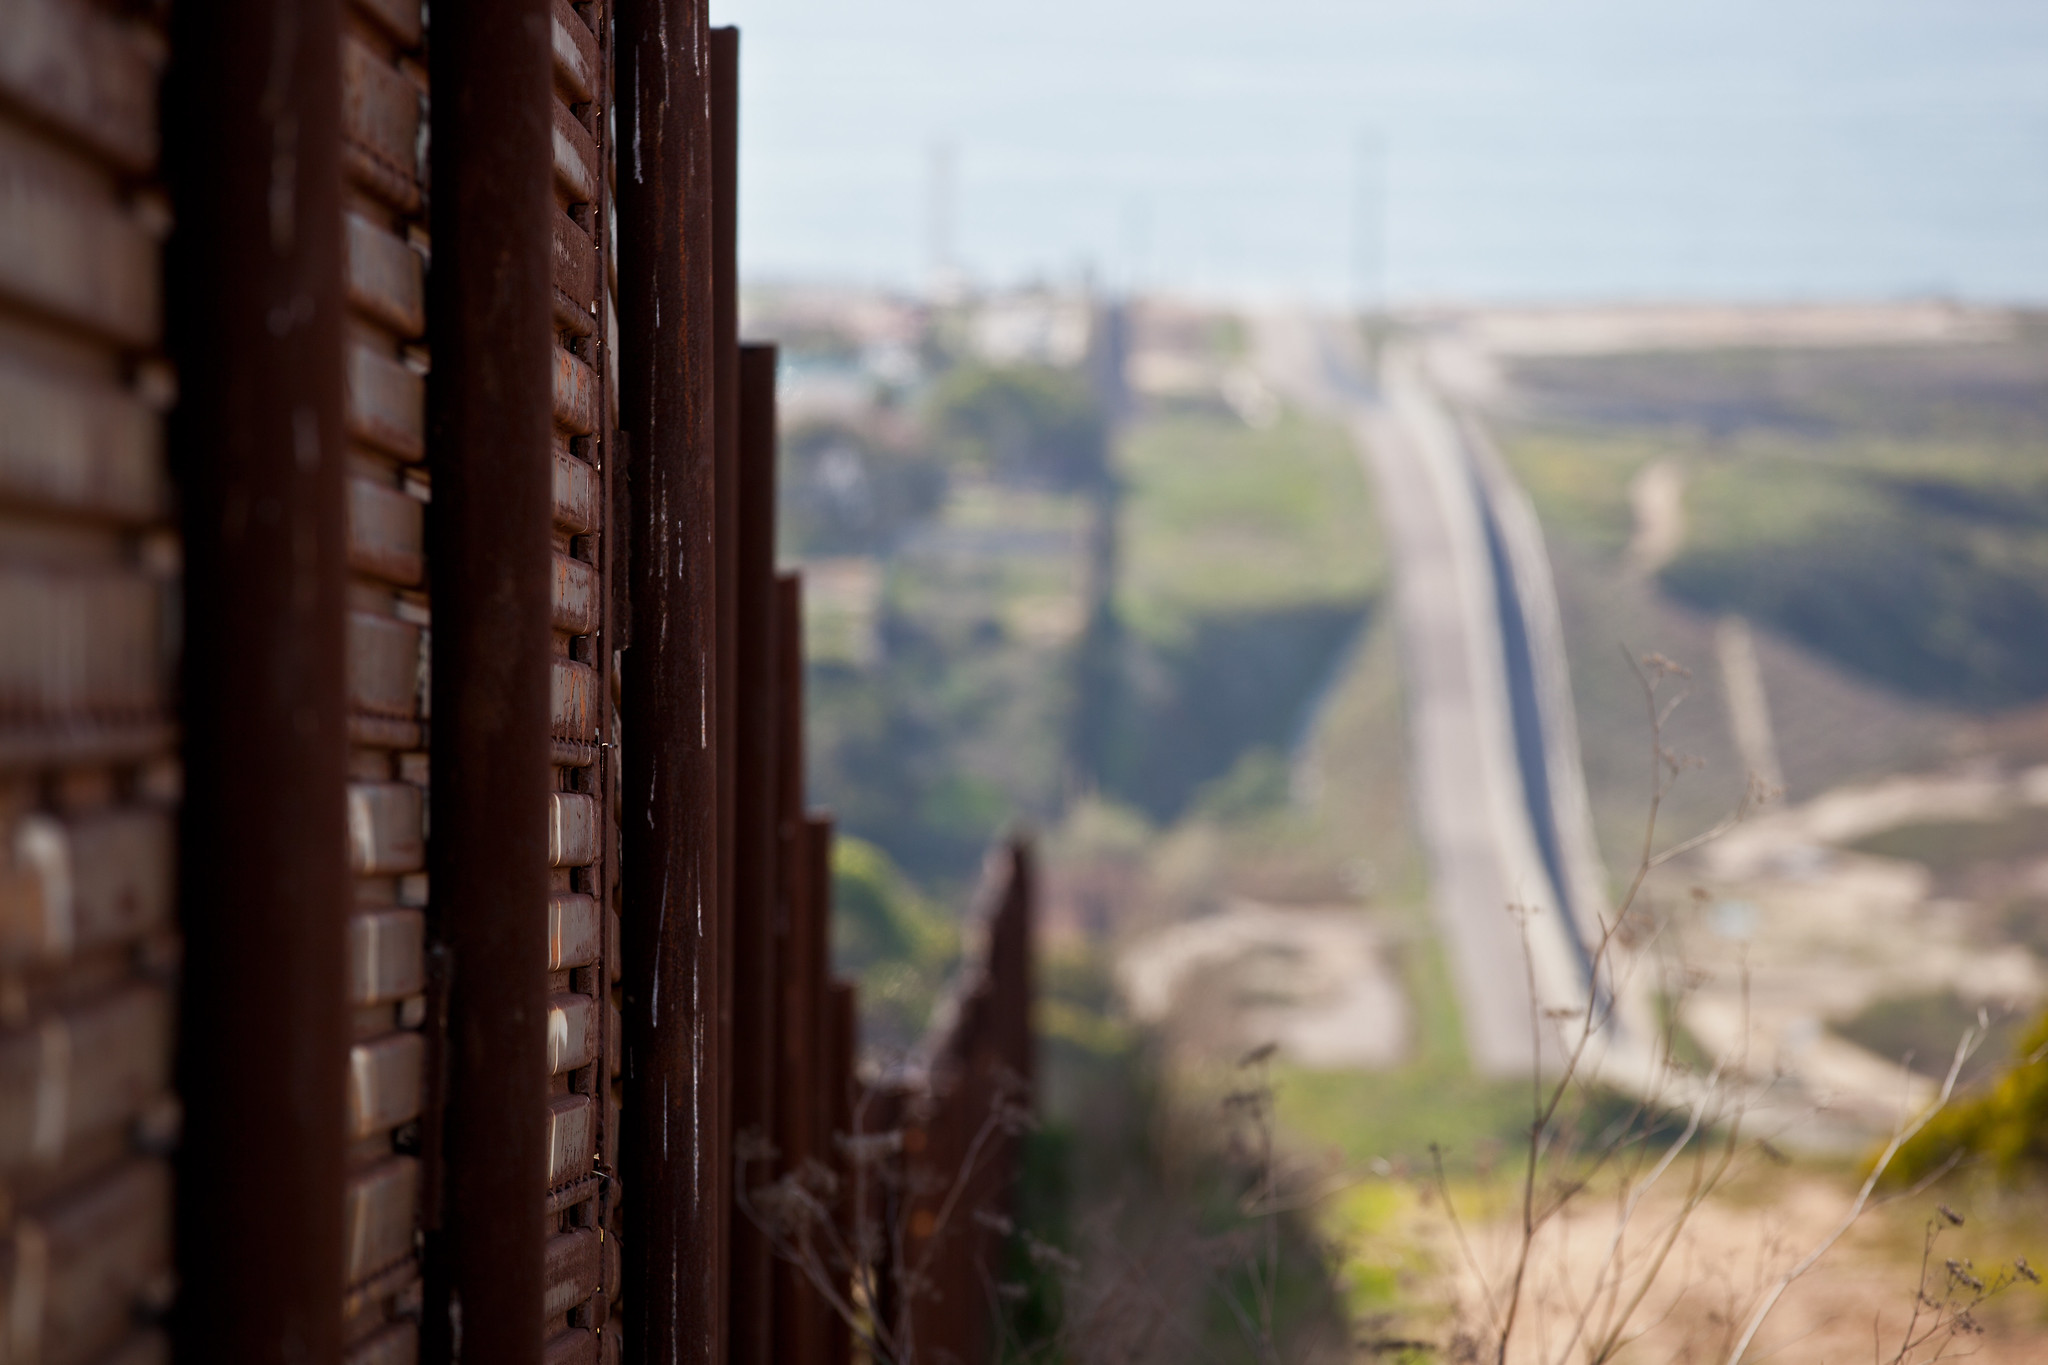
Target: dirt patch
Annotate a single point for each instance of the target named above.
(1851, 1308)
(1318, 982)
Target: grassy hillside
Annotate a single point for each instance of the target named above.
(1222, 519)
(947, 724)
(1249, 563)
(1880, 516)
(1922, 566)
(1886, 510)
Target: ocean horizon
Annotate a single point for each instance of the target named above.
(1402, 151)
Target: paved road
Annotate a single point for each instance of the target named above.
(1497, 790)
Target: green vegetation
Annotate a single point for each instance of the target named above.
(1244, 563)
(2006, 1125)
(1928, 574)
(1578, 479)
(1181, 646)
(1248, 562)
(1922, 1030)
(1258, 783)
(1028, 424)
(897, 945)
(948, 735)
(1144, 1195)
(1235, 684)
(939, 704)
(1886, 510)
(1950, 848)
(1222, 519)
(1879, 514)
(847, 489)
(1432, 1098)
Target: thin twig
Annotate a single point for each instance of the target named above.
(1900, 1136)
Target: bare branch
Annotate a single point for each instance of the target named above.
(1901, 1134)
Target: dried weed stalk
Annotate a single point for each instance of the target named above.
(852, 1239)
(1685, 1134)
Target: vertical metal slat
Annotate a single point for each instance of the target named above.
(491, 412)
(725, 379)
(754, 851)
(669, 848)
(255, 313)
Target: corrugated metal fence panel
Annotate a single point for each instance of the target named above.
(582, 1007)
(369, 1058)
(842, 1037)
(88, 781)
(973, 1071)
(384, 89)
(804, 1117)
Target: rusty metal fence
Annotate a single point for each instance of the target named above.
(956, 1114)
(406, 886)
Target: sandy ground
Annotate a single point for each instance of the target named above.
(1851, 1308)
(1656, 498)
(1599, 331)
(1314, 981)
(1788, 930)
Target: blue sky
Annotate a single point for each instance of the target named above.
(1430, 149)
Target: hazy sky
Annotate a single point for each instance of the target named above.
(1430, 148)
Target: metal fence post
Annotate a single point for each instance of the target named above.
(755, 963)
(255, 315)
(490, 415)
(725, 372)
(670, 836)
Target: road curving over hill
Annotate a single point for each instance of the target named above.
(1496, 780)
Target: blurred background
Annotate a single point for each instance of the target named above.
(1257, 450)
(1490, 150)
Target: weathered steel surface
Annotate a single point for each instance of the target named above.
(578, 494)
(99, 1253)
(256, 332)
(376, 1079)
(755, 1004)
(394, 1111)
(670, 883)
(72, 886)
(386, 956)
(972, 1072)
(81, 1073)
(811, 974)
(70, 250)
(574, 931)
(386, 532)
(571, 1137)
(384, 1075)
(78, 443)
(842, 1038)
(725, 362)
(85, 72)
(798, 969)
(490, 298)
(583, 1051)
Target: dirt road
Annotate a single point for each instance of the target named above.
(1483, 765)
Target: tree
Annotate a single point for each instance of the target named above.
(1029, 424)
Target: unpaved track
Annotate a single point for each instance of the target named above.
(1469, 764)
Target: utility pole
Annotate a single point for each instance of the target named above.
(941, 264)
(1368, 221)
(1137, 246)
